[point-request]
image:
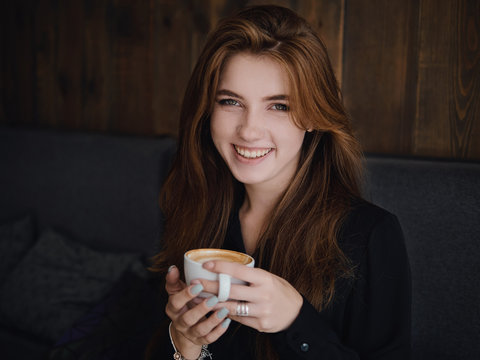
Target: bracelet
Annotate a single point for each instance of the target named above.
(177, 356)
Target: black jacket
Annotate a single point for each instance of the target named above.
(370, 317)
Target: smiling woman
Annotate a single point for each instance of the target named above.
(267, 164)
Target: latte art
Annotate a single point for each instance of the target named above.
(203, 255)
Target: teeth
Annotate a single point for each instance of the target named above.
(251, 154)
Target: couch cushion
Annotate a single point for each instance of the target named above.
(100, 189)
(438, 206)
(16, 238)
(56, 283)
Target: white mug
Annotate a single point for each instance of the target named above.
(193, 260)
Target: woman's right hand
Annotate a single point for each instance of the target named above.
(191, 328)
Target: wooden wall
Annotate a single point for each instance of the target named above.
(409, 69)
(411, 76)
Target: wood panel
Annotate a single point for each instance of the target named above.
(17, 43)
(465, 105)
(447, 121)
(377, 47)
(45, 78)
(96, 66)
(465, 109)
(411, 76)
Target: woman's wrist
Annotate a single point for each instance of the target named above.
(182, 345)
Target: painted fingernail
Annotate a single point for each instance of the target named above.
(226, 322)
(222, 313)
(196, 289)
(171, 268)
(212, 301)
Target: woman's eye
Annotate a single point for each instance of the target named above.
(228, 102)
(281, 107)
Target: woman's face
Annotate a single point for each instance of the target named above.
(251, 124)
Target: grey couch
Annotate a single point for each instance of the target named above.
(70, 201)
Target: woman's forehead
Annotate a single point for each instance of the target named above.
(254, 74)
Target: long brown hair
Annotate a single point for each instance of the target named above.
(199, 194)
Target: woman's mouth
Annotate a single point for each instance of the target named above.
(249, 153)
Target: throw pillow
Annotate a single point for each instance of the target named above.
(15, 239)
(56, 283)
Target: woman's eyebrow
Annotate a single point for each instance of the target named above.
(266, 98)
(276, 97)
(229, 93)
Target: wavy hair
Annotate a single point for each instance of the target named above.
(199, 194)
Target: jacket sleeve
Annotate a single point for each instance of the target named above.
(375, 320)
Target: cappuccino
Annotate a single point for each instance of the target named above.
(203, 255)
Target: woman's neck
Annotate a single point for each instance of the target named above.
(257, 205)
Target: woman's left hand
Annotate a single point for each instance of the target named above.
(273, 304)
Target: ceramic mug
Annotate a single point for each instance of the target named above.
(193, 260)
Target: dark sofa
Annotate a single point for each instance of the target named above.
(76, 201)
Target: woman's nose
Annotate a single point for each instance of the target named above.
(250, 127)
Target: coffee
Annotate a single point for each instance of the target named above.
(194, 259)
(203, 255)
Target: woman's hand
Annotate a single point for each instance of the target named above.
(191, 328)
(273, 304)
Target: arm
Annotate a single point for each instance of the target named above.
(376, 320)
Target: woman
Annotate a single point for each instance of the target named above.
(267, 165)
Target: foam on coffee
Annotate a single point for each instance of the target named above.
(204, 255)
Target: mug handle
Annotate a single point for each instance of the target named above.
(224, 283)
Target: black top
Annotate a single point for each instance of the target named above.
(369, 318)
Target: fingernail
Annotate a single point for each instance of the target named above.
(208, 265)
(226, 322)
(222, 313)
(196, 289)
(171, 268)
(212, 301)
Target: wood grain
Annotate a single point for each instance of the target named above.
(46, 89)
(375, 69)
(448, 118)
(17, 49)
(69, 54)
(432, 128)
(96, 66)
(464, 108)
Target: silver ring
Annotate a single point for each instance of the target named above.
(242, 308)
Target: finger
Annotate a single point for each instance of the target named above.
(194, 315)
(254, 310)
(221, 323)
(196, 301)
(239, 271)
(249, 321)
(173, 284)
(237, 292)
(179, 300)
(203, 328)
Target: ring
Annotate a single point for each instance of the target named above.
(242, 308)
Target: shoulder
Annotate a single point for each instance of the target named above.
(364, 217)
(366, 226)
